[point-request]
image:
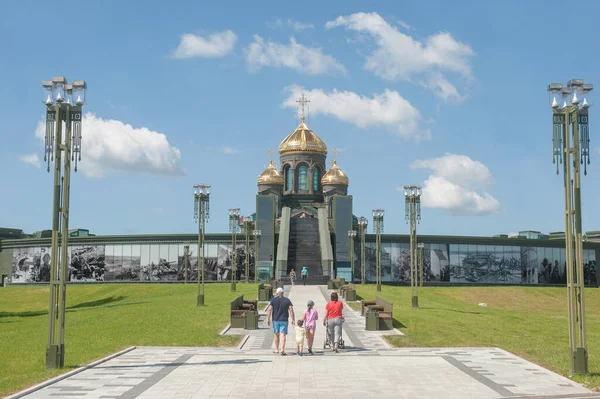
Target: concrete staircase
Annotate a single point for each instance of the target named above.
(304, 249)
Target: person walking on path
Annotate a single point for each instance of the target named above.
(333, 320)
(300, 336)
(310, 324)
(282, 309)
(304, 274)
(293, 276)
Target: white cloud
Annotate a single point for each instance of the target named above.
(457, 184)
(111, 145)
(399, 56)
(404, 24)
(229, 150)
(295, 25)
(388, 109)
(308, 60)
(31, 159)
(215, 45)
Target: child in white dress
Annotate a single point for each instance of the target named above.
(300, 336)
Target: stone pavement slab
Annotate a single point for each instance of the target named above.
(163, 372)
(367, 368)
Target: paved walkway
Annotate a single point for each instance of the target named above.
(366, 369)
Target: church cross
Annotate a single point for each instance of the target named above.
(270, 154)
(335, 152)
(302, 101)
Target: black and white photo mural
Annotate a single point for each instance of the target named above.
(87, 263)
(437, 255)
(31, 265)
(485, 264)
(400, 258)
(158, 262)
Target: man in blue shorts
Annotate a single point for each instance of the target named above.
(281, 308)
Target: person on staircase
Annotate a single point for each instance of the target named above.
(304, 274)
(293, 277)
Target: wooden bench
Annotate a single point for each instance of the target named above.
(348, 292)
(378, 316)
(276, 283)
(335, 283)
(265, 292)
(244, 313)
(364, 306)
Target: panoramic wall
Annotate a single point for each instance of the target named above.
(164, 262)
(132, 262)
(471, 263)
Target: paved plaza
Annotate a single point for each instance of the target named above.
(367, 368)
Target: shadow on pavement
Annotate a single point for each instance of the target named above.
(178, 364)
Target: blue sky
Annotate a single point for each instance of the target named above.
(393, 85)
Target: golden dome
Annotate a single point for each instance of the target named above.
(270, 176)
(334, 176)
(302, 139)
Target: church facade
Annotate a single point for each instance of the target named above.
(306, 207)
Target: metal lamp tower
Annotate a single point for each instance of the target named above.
(256, 234)
(570, 106)
(234, 217)
(186, 261)
(412, 210)
(247, 230)
(362, 225)
(378, 228)
(201, 213)
(351, 237)
(421, 247)
(64, 103)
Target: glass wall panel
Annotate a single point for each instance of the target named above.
(224, 262)
(386, 262)
(144, 261)
(589, 267)
(109, 260)
(544, 266)
(150, 273)
(440, 262)
(135, 260)
(126, 258)
(529, 265)
(175, 273)
(118, 262)
(211, 262)
(508, 269)
(370, 261)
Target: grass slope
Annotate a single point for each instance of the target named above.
(528, 321)
(102, 319)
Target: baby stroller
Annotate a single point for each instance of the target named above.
(328, 344)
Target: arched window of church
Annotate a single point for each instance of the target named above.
(289, 178)
(303, 177)
(316, 178)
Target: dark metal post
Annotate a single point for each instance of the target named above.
(575, 113)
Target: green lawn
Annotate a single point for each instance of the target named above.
(528, 321)
(103, 319)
